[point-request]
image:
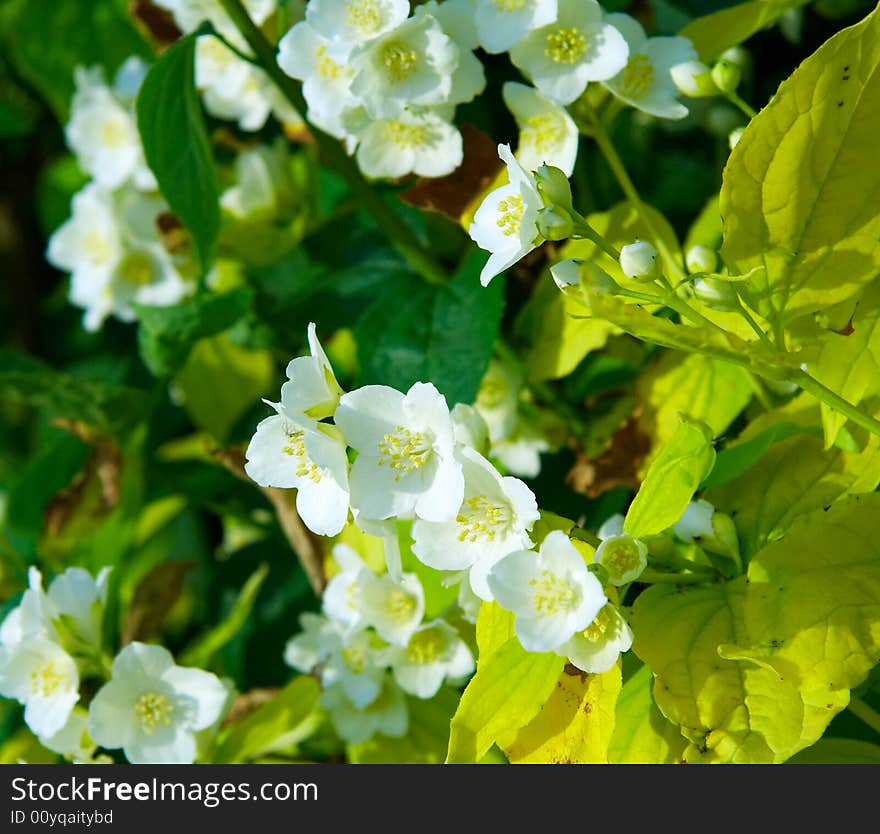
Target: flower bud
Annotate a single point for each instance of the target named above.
(554, 223)
(735, 136)
(701, 259)
(724, 539)
(639, 261)
(694, 79)
(577, 272)
(726, 76)
(623, 558)
(554, 187)
(717, 294)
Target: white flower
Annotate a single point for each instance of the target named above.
(501, 24)
(645, 82)
(103, 134)
(393, 608)
(405, 460)
(696, 521)
(263, 183)
(701, 258)
(357, 666)
(410, 65)
(468, 601)
(341, 600)
(469, 427)
(551, 592)
(623, 557)
(75, 604)
(387, 714)
(38, 673)
(596, 649)
(505, 224)
(434, 652)
(493, 520)
(312, 461)
(251, 103)
(498, 397)
(152, 708)
(318, 639)
(72, 740)
(188, 14)
(579, 46)
(311, 392)
(639, 261)
(520, 451)
(612, 526)
(547, 134)
(347, 24)
(694, 79)
(415, 142)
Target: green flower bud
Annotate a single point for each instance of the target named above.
(724, 539)
(639, 261)
(623, 558)
(701, 259)
(726, 76)
(577, 272)
(554, 223)
(553, 186)
(694, 79)
(717, 294)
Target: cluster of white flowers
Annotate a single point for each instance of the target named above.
(386, 81)
(113, 245)
(371, 645)
(149, 707)
(231, 87)
(416, 462)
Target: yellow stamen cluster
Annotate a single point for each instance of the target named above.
(480, 519)
(552, 594)
(426, 647)
(326, 66)
(45, 679)
(542, 132)
(365, 16)
(355, 657)
(638, 76)
(404, 135)
(114, 132)
(604, 624)
(137, 269)
(621, 556)
(511, 212)
(296, 448)
(565, 46)
(399, 606)
(400, 61)
(97, 247)
(404, 451)
(509, 5)
(153, 711)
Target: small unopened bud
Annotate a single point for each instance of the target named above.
(639, 261)
(554, 223)
(577, 272)
(553, 186)
(701, 259)
(694, 79)
(726, 76)
(695, 521)
(623, 558)
(723, 539)
(717, 294)
(735, 136)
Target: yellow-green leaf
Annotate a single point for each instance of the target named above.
(641, 734)
(574, 726)
(510, 687)
(671, 480)
(494, 628)
(839, 751)
(799, 196)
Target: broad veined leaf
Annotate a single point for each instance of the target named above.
(671, 480)
(494, 629)
(729, 710)
(574, 726)
(507, 692)
(641, 733)
(707, 229)
(794, 477)
(714, 33)
(176, 145)
(799, 191)
(270, 723)
(440, 334)
(702, 387)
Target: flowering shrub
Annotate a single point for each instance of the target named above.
(451, 381)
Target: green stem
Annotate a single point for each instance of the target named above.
(746, 108)
(583, 230)
(654, 577)
(678, 563)
(762, 336)
(585, 536)
(864, 711)
(400, 235)
(835, 401)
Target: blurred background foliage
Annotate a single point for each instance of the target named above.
(109, 440)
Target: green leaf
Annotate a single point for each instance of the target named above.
(507, 692)
(167, 334)
(80, 34)
(798, 197)
(714, 33)
(108, 407)
(494, 629)
(838, 751)
(221, 382)
(671, 480)
(440, 334)
(268, 725)
(641, 734)
(175, 141)
(736, 460)
(202, 652)
(574, 726)
(707, 229)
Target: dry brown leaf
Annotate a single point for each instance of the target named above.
(617, 466)
(153, 599)
(155, 23)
